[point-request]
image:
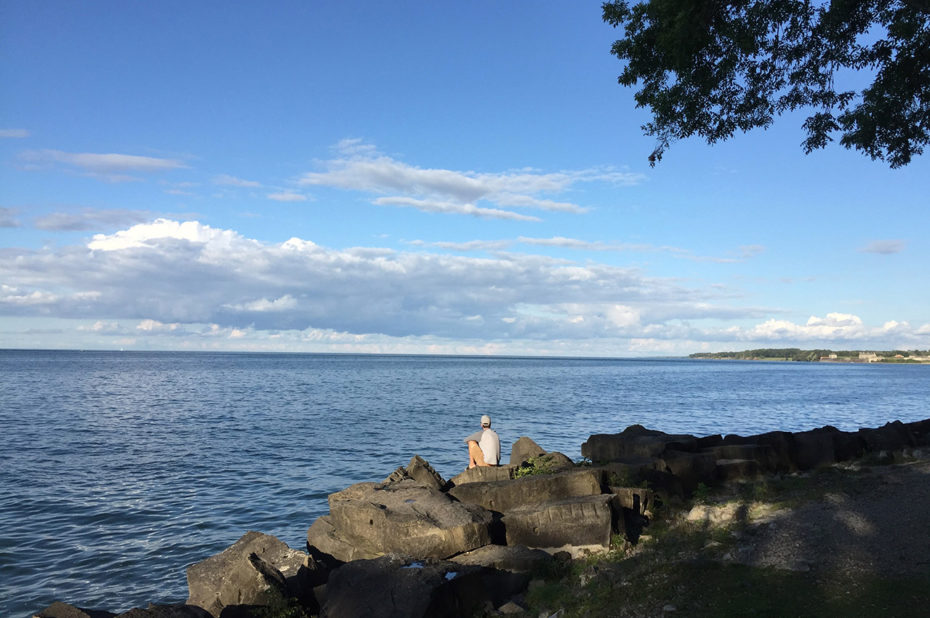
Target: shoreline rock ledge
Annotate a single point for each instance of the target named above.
(415, 544)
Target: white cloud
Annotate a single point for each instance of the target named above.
(359, 167)
(284, 303)
(453, 207)
(107, 166)
(884, 247)
(150, 235)
(287, 196)
(13, 133)
(232, 181)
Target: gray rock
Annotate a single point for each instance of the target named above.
(690, 468)
(512, 558)
(737, 469)
(419, 470)
(405, 518)
(814, 448)
(258, 569)
(523, 449)
(483, 474)
(391, 586)
(65, 610)
(167, 611)
(634, 442)
(503, 496)
(582, 521)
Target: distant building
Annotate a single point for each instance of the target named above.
(868, 357)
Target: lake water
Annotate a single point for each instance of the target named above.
(119, 470)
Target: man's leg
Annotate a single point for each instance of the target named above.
(475, 456)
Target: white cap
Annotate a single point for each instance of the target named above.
(485, 421)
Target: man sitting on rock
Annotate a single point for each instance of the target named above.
(484, 447)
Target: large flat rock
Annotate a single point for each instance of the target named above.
(582, 521)
(404, 517)
(634, 442)
(504, 496)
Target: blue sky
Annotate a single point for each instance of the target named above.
(415, 177)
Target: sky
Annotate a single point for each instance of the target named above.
(415, 177)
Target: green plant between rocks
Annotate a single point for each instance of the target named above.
(540, 464)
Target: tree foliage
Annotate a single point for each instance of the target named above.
(712, 67)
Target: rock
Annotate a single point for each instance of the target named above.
(256, 570)
(814, 448)
(396, 587)
(736, 469)
(406, 518)
(513, 558)
(167, 611)
(762, 454)
(65, 610)
(523, 449)
(638, 499)
(419, 470)
(483, 474)
(634, 442)
(503, 496)
(690, 468)
(581, 521)
(889, 437)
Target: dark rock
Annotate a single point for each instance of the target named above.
(847, 446)
(523, 449)
(369, 519)
(167, 611)
(554, 461)
(709, 441)
(637, 499)
(257, 570)
(782, 445)
(920, 430)
(502, 496)
(64, 610)
(391, 586)
(583, 521)
(814, 448)
(513, 558)
(690, 468)
(889, 437)
(738, 469)
(634, 442)
(763, 454)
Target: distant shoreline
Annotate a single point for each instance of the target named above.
(910, 357)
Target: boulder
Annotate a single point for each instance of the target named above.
(814, 448)
(523, 449)
(690, 468)
(258, 569)
(889, 437)
(737, 469)
(398, 587)
(583, 521)
(634, 442)
(512, 558)
(638, 499)
(482, 474)
(920, 430)
(763, 454)
(503, 496)
(848, 445)
(167, 611)
(65, 610)
(419, 470)
(405, 518)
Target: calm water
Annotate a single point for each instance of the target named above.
(119, 470)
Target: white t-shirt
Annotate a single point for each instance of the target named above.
(489, 443)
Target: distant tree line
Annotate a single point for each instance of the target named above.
(797, 354)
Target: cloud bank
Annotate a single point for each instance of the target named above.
(182, 278)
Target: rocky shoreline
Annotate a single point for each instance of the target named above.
(416, 544)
